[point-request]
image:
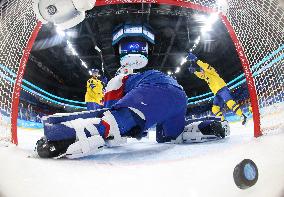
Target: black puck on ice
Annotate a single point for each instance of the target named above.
(245, 174)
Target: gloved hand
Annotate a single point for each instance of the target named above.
(104, 81)
(192, 68)
(191, 57)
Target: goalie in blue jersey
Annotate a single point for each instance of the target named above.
(133, 104)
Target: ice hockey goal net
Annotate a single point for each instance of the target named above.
(256, 26)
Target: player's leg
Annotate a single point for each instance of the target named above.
(83, 135)
(142, 112)
(217, 106)
(232, 105)
(170, 129)
(76, 137)
(155, 104)
(119, 123)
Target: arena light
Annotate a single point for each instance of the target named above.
(213, 18)
(73, 51)
(177, 70)
(169, 73)
(97, 48)
(206, 29)
(200, 18)
(90, 72)
(197, 40)
(60, 32)
(84, 64)
(183, 61)
(209, 23)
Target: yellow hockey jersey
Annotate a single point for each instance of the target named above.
(94, 91)
(211, 77)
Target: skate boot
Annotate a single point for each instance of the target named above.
(52, 149)
(202, 130)
(244, 119)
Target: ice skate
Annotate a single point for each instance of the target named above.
(244, 119)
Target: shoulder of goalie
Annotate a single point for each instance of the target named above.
(88, 140)
(203, 129)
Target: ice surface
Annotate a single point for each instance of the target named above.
(145, 168)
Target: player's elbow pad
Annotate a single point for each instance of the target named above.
(63, 13)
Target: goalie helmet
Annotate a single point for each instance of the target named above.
(133, 55)
(63, 13)
(124, 70)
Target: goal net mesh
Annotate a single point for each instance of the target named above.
(258, 24)
(17, 22)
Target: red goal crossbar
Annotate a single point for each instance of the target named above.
(238, 46)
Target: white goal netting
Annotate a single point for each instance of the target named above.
(258, 25)
(17, 22)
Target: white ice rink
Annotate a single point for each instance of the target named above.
(145, 168)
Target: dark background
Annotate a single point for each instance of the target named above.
(51, 65)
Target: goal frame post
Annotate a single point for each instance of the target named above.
(239, 49)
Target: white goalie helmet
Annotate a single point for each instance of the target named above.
(63, 13)
(134, 61)
(124, 70)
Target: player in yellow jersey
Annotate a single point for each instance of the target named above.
(94, 94)
(217, 85)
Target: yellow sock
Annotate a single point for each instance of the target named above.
(216, 110)
(234, 107)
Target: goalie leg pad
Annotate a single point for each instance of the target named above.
(88, 140)
(67, 130)
(83, 133)
(112, 132)
(85, 147)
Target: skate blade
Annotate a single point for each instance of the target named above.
(60, 156)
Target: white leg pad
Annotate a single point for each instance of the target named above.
(114, 131)
(84, 145)
(82, 148)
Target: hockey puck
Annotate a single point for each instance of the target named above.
(245, 174)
